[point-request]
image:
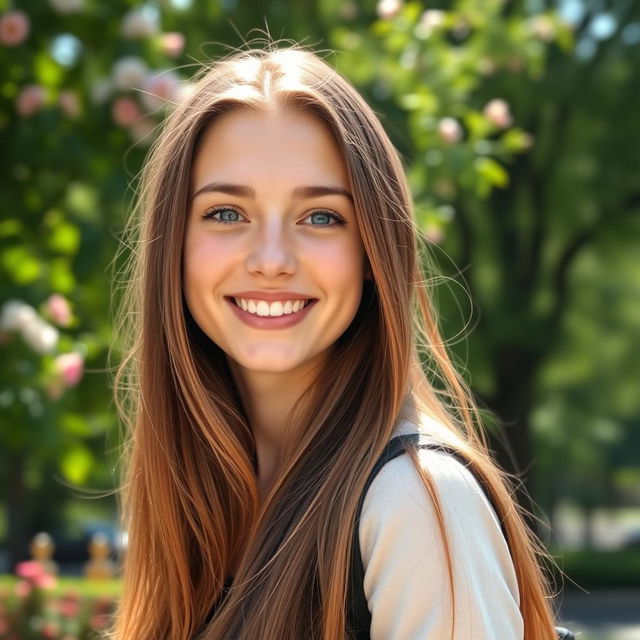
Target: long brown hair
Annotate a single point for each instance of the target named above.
(190, 501)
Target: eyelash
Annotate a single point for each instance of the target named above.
(208, 215)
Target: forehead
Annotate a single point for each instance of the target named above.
(260, 145)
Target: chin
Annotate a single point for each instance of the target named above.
(267, 364)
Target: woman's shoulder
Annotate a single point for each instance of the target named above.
(398, 488)
(397, 496)
(403, 552)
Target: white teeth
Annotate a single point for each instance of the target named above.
(263, 308)
(276, 309)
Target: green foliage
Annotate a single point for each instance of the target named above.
(600, 569)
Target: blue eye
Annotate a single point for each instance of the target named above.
(227, 215)
(324, 218)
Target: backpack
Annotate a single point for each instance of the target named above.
(358, 615)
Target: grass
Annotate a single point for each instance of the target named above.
(85, 588)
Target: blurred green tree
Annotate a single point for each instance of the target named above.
(519, 139)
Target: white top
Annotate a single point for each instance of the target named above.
(406, 580)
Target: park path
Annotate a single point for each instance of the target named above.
(602, 615)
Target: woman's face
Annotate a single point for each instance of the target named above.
(272, 226)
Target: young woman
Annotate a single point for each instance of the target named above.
(281, 334)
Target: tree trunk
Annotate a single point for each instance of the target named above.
(515, 371)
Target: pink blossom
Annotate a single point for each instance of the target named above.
(49, 630)
(45, 581)
(172, 43)
(23, 588)
(99, 621)
(125, 112)
(69, 605)
(161, 88)
(449, 130)
(70, 368)
(497, 112)
(69, 103)
(14, 28)
(30, 99)
(29, 569)
(59, 310)
(388, 9)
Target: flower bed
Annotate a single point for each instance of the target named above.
(37, 605)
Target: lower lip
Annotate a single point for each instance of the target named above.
(271, 322)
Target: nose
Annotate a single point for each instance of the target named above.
(272, 252)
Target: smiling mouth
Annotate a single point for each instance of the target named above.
(264, 309)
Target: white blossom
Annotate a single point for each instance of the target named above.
(129, 73)
(141, 23)
(449, 130)
(40, 335)
(160, 88)
(433, 18)
(388, 9)
(16, 314)
(498, 113)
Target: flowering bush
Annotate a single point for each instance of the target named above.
(58, 373)
(32, 607)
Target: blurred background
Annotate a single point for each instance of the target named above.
(518, 125)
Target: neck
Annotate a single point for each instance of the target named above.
(268, 400)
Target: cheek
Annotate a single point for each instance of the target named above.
(204, 259)
(340, 268)
(340, 254)
(194, 264)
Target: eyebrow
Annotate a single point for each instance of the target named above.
(244, 191)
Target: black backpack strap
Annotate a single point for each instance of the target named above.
(358, 614)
